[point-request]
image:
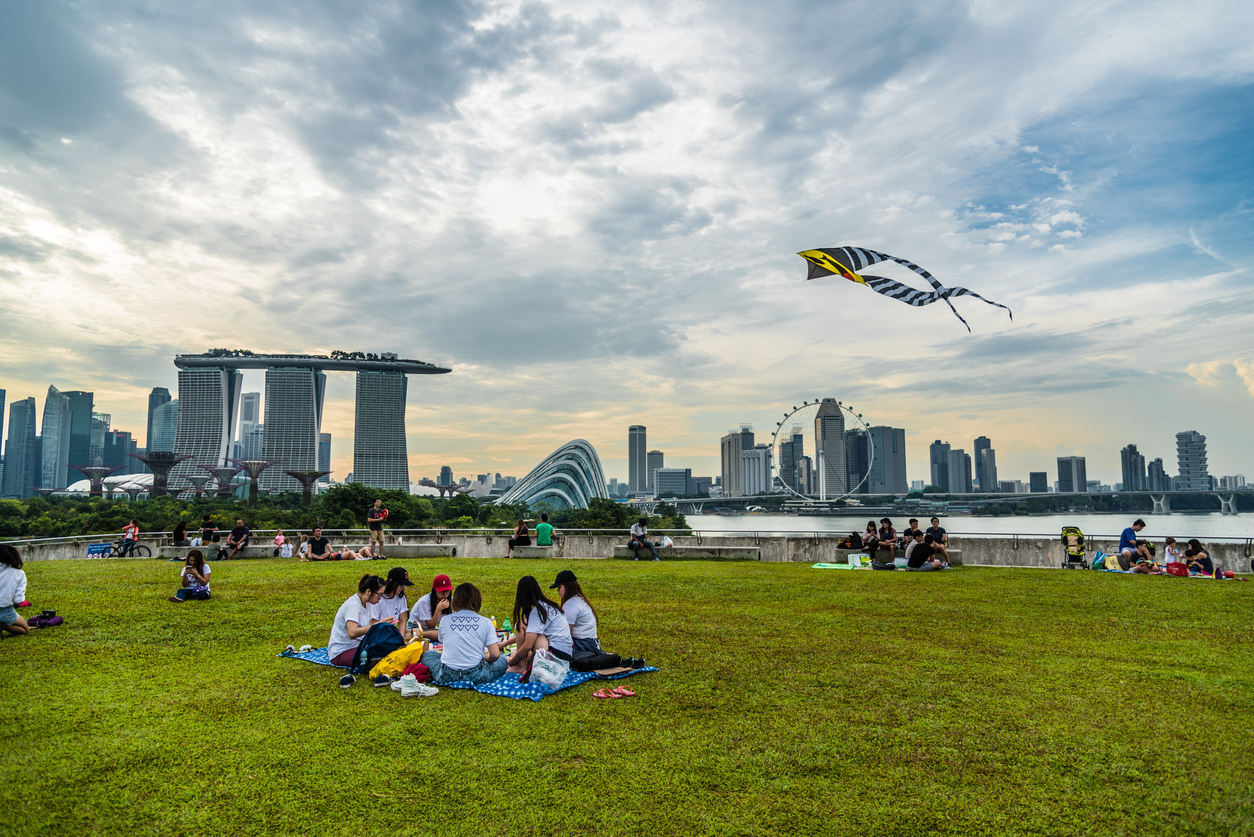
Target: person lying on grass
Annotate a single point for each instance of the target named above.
(393, 607)
(471, 653)
(579, 613)
(923, 556)
(425, 617)
(541, 625)
(195, 577)
(319, 549)
(12, 590)
(352, 621)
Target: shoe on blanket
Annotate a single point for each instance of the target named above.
(347, 680)
(291, 649)
(382, 681)
(305, 649)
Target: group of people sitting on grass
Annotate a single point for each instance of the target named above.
(1137, 555)
(473, 650)
(923, 551)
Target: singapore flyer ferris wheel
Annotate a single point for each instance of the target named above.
(821, 451)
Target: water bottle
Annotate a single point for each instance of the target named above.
(505, 625)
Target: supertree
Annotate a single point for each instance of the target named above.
(160, 462)
(198, 485)
(224, 477)
(306, 480)
(96, 475)
(254, 467)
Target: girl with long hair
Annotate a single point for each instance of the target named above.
(579, 612)
(393, 606)
(540, 625)
(352, 621)
(427, 612)
(472, 653)
(195, 578)
(12, 590)
(521, 538)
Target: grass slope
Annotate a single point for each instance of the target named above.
(790, 701)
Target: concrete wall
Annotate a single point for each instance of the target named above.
(811, 549)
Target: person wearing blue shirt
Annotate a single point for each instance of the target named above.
(1132, 550)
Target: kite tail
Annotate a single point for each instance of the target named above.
(957, 291)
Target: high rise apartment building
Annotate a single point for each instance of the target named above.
(293, 419)
(731, 447)
(987, 470)
(55, 444)
(1072, 476)
(959, 472)
(82, 407)
(1133, 465)
(888, 469)
(1191, 459)
(857, 461)
(653, 460)
(637, 466)
(380, 458)
(1156, 478)
(981, 444)
(1038, 482)
(938, 456)
(158, 396)
(829, 448)
(22, 463)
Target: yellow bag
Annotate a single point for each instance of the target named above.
(399, 660)
(1112, 563)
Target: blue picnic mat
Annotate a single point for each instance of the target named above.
(318, 657)
(507, 685)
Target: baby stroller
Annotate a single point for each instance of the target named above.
(1073, 549)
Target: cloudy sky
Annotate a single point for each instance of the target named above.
(591, 212)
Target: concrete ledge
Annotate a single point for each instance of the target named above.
(533, 552)
(180, 552)
(694, 553)
(421, 550)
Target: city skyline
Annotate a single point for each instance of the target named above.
(500, 207)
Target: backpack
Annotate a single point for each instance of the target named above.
(855, 541)
(381, 640)
(594, 661)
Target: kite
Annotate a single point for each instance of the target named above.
(847, 261)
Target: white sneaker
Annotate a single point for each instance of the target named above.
(410, 687)
(396, 684)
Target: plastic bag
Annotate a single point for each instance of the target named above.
(666, 541)
(548, 670)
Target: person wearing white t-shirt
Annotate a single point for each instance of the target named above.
(393, 606)
(352, 621)
(12, 591)
(639, 535)
(471, 652)
(540, 625)
(195, 578)
(431, 608)
(579, 613)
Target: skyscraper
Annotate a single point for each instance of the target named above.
(1072, 477)
(158, 396)
(637, 473)
(163, 426)
(755, 470)
(653, 460)
(55, 447)
(791, 449)
(1156, 478)
(959, 471)
(981, 444)
(380, 459)
(888, 471)
(99, 427)
(117, 450)
(987, 467)
(731, 447)
(2, 396)
(21, 452)
(80, 427)
(829, 448)
(208, 406)
(938, 454)
(294, 398)
(446, 476)
(324, 457)
(857, 461)
(1038, 482)
(249, 421)
(252, 440)
(1133, 463)
(1191, 459)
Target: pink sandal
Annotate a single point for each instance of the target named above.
(605, 694)
(623, 691)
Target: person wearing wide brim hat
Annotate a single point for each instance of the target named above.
(579, 613)
(425, 617)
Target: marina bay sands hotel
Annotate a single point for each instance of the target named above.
(209, 408)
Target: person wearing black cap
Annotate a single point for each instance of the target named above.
(579, 613)
(392, 605)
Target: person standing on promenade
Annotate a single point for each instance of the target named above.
(374, 521)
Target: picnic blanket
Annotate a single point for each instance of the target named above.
(507, 685)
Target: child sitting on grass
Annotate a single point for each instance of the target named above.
(12, 590)
(195, 578)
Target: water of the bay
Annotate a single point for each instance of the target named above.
(1178, 525)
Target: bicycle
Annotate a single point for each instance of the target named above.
(139, 550)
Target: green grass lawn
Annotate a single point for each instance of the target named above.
(789, 701)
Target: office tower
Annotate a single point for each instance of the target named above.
(250, 407)
(701, 486)
(938, 454)
(671, 482)
(857, 461)
(324, 457)
(1133, 463)
(611, 488)
(637, 467)
(1191, 458)
(252, 441)
(1038, 482)
(1156, 478)
(987, 467)
(829, 448)
(55, 441)
(805, 475)
(1010, 487)
(81, 405)
(99, 427)
(208, 406)
(117, 450)
(652, 461)
(293, 419)
(1236, 482)
(1072, 477)
(21, 452)
(791, 449)
(446, 476)
(380, 457)
(164, 426)
(249, 421)
(755, 470)
(888, 470)
(158, 396)
(981, 444)
(2, 396)
(959, 472)
(731, 446)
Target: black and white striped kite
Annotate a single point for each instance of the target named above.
(847, 261)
